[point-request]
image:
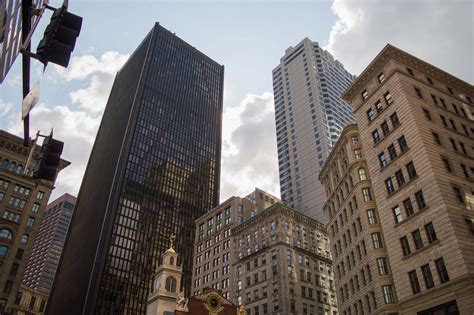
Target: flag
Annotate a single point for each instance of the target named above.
(30, 100)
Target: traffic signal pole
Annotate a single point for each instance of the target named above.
(26, 6)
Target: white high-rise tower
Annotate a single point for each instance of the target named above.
(310, 115)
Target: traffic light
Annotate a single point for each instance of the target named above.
(48, 159)
(59, 38)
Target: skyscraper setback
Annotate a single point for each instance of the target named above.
(153, 170)
(310, 115)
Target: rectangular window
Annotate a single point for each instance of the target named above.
(453, 144)
(430, 232)
(435, 100)
(371, 216)
(8, 287)
(436, 138)
(377, 240)
(443, 119)
(403, 144)
(463, 148)
(381, 77)
(427, 114)
(35, 207)
(427, 276)
(408, 207)
(385, 128)
(417, 239)
(429, 80)
(420, 200)
(388, 98)
(388, 294)
(367, 194)
(415, 284)
(358, 153)
(365, 95)
(411, 170)
(382, 266)
(405, 246)
(39, 195)
(378, 106)
(418, 92)
(371, 114)
(446, 164)
(376, 136)
(458, 194)
(392, 151)
(382, 160)
(394, 119)
(397, 214)
(400, 178)
(389, 185)
(410, 72)
(442, 271)
(30, 222)
(463, 167)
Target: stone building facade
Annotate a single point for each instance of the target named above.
(283, 264)
(417, 132)
(23, 202)
(214, 251)
(360, 258)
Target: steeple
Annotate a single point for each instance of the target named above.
(167, 283)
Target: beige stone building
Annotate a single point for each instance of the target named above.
(360, 259)
(22, 205)
(214, 251)
(417, 132)
(283, 264)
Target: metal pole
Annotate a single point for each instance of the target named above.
(25, 30)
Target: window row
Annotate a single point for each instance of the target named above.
(408, 206)
(400, 178)
(392, 151)
(443, 276)
(385, 128)
(418, 239)
(430, 81)
(12, 166)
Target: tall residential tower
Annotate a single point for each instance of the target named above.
(310, 115)
(154, 169)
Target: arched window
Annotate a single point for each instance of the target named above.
(6, 234)
(5, 164)
(3, 250)
(362, 174)
(12, 166)
(171, 261)
(19, 169)
(24, 239)
(170, 284)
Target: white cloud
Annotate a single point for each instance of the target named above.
(5, 107)
(76, 128)
(83, 66)
(437, 31)
(249, 156)
(101, 73)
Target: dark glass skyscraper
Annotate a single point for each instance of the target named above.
(153, 170)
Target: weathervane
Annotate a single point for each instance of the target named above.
(172, 238)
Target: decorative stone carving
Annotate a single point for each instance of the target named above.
(182, 303)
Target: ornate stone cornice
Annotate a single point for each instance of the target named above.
(393, 53)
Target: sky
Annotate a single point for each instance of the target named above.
(248, 37)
